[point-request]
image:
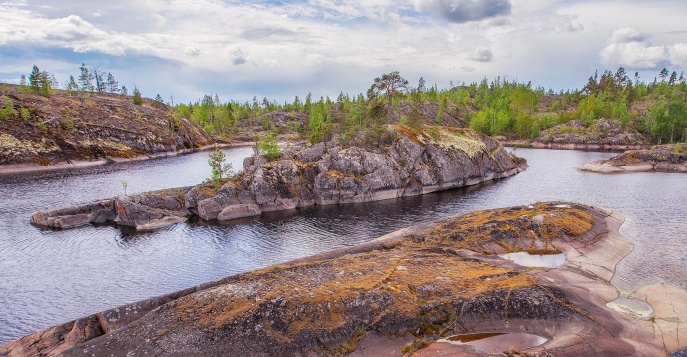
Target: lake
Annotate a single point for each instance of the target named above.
(49, 277)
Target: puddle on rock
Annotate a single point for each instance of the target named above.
(539, 259)
(632, 306)
(497, 342)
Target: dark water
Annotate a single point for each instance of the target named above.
(48, 277)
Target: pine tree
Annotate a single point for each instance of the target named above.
(112, 84)
(71, 85)
(136, 97)
(388, 84)
(100, 83)
(22, 80)
(85, 78)
(673, 78)
(35, 79)
(45, 84)
(158, 98)
(124, 90)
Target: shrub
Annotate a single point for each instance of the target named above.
(267, 146)
(136, 97)
(219, 166)
(7, 111)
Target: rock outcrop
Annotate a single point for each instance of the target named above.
(664, 158)
(144, 211)
(603, 135)
(80, 128)
(414, 163)
(398, 293)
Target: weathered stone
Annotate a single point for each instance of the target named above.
(239, 211)
(666, 158)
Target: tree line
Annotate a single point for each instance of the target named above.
(513, 109)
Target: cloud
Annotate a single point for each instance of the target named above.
(631, 48)
(482, 54)
(460, 11)
(264, 32)
(235, 55)
(678, 54)
(191, 51)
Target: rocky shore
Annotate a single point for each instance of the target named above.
(664, 158)
(405, 292)
(69, 130)
(411, 163)
(604, 135)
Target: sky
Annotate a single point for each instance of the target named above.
(279, 49)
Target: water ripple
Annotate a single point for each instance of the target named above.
(50, 277)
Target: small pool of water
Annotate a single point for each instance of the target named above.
(497, 342)
(536, 260)
(633, 306)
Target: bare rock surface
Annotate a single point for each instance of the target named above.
(79, 129)
(664, 158)
(414, 163)
(400, 293)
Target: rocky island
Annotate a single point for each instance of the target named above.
(71, 129)
(662, 158)
(420, 290)
(409, 162)
(604, 134)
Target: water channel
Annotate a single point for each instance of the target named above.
(48, 277)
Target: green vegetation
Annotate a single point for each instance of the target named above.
(499, 107)
(657, 109)
(267, 146)
(136, 96)
(7, 111)
(220, 167)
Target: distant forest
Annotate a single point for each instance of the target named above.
(657, 109)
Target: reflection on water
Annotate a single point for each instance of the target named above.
(497, 342)
(535, 260)
(48, 277)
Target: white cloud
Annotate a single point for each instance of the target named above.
(335, 45)
(631, 48)
(678, 54)
(191, 51)
(482, 54)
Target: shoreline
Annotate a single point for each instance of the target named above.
(571, 146)
(584, 277)
(32, 168)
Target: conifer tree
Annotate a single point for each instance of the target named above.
(388, 84)
(85, 78)
(136, 96)
(112, 84)
(35, 79)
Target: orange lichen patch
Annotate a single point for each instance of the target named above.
(415, 135)
(336, 174)
(512, 229)
(566, 223)
(629, 158)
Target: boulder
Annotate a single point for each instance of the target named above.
(239, 211)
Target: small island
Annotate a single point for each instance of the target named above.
(662, 158)
(403, 161)
(419, 290)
